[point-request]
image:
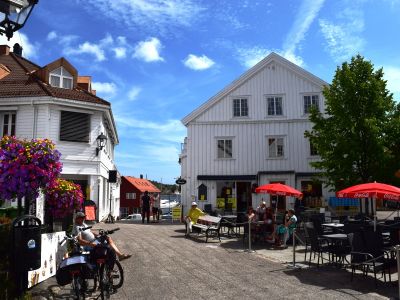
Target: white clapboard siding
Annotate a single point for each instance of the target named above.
(214, 120)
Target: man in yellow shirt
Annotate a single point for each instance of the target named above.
(192, 216)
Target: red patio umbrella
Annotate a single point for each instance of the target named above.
(374, 190)
(279, 189)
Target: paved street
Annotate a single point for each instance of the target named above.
(165, 265)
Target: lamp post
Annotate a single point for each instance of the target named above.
(13, 15)
(101, 142)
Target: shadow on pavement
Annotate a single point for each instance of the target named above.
(331, 278)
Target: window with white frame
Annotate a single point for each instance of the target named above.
(61, 78)
(276, 147)
(310, 101)
(240, 107)
(274, 105)
(8, 122)
(130, 196)
(224, 148)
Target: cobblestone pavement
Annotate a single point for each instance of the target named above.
(165, 265)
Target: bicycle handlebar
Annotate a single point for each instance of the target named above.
(72, 238)
(103, 232)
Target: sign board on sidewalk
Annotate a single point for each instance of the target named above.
(51, 256)
(176, 213)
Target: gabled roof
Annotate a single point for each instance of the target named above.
(24, 80)
(142, 184)
(272, 57)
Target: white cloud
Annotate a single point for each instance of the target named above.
(198, 62)
(107, 88)
(392, 75)
(148, 50)
(305, 16)
(87, 48)
(134, 92)
(154, 16)
(249, 57)
(343, 37)
(120, 52)
(162, 153)
(29, 50)
(52, 35)
(171, 130)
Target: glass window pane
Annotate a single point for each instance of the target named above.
(221, 150)
(236, 107)
(56, 71)
(271, 108)
(228, 148)
(245, 109)
(278, 104)
(272, 145)
(66, 73)
(13, 123)
(54, 81)
(67, 83)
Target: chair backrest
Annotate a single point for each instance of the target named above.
(313, 236)
(373, 242)
(357, 244)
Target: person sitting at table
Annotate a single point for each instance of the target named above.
(193, 215)
(283, 231)
(269, 225)
(261, 211)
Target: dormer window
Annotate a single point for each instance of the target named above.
(61, 78)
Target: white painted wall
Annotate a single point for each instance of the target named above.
(40, 118)
(249, 134)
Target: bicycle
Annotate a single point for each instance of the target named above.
(75, 268)
(109, 271)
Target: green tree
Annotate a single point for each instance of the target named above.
(354, 136)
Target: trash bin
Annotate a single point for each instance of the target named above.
(27, 240)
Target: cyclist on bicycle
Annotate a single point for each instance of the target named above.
(87, 238)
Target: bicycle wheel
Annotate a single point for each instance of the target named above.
(117, 275)
(105, 283)
(78, 286)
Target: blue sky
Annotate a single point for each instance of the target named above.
(158, 60)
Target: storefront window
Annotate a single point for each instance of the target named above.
(312, 193)
(226, 198)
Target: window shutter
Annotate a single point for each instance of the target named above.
(74, 127)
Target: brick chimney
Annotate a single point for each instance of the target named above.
(4, 50)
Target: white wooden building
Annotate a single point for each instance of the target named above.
(252, 133)
(54, 102)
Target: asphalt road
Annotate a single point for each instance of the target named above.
(165, 265)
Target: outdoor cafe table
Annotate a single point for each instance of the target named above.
(334, 226)
(230, 222)
(338, 239)
(335, 236)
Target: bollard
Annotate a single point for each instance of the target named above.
(294, 247)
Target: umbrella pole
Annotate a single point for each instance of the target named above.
(374, 208)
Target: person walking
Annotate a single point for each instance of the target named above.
(156, 208)
(145, 205)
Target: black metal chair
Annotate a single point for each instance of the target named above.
(318, 245)
(367, 254)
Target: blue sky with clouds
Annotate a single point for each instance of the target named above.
(158, 60)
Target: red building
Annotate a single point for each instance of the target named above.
(132, 189)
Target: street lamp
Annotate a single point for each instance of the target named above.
(101, 142)
(13, 15)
